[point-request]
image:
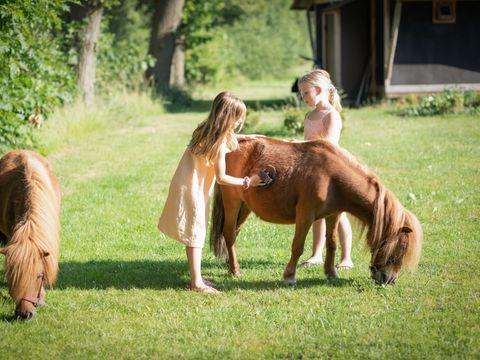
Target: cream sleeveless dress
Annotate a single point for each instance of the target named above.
(185, 214)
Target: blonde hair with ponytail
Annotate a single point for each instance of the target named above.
(321, 78)
(219, 126)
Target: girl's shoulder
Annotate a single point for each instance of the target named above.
(322, 114)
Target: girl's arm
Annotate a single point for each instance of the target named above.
(224, 179)
(333, 126)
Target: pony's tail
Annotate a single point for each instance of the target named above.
(39, 231)
(217, 240)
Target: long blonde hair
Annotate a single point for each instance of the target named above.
(321, 79)
(219, 126)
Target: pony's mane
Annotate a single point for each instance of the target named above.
(38, 232)
(387, 228)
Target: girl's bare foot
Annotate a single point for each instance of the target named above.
(205, 289)
(313, 261)
(345, 265)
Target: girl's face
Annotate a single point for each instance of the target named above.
(310, 94)
(238, 124)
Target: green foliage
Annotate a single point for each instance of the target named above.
(252, 121)
(267, 39)
(293, 120)
(206, 60)
(247, 39)
(451, 101)
(34, 72)
(122, 56)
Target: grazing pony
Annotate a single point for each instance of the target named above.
(30, 227)
(313, 180)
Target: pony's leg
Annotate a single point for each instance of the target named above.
(230, 234)
(302, 226)
(242, 216)
(331, 245)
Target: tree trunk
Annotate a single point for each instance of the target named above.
(177, 76)
(86, 66)
(166, 22)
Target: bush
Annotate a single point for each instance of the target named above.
(35, 76)
(451, 101)
(293, 121)
(123, 57)
(242, 39)
(251, 122)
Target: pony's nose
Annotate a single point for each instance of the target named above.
(380, 277)
(25, 316)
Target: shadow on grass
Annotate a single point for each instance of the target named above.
(161, 275)
(123, 274)
(278, 284)
(167, 275)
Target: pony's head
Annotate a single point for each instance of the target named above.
(395, 239)
(27, 270)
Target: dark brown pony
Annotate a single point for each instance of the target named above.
(313, 180)
(30, 226)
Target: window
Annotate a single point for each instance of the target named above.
(444, 11)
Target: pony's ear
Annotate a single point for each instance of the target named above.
(406, 230)
(3, 251)
(45, 254)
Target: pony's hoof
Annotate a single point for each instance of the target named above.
(289, 281)
(333, 275)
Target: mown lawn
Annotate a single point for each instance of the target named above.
(122, 288)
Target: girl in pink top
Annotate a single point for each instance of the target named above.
(324, 122)
(185, 214)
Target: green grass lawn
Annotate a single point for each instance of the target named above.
(122, 287)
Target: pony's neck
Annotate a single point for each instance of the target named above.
(360, 191)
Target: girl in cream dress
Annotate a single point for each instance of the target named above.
(185, 214)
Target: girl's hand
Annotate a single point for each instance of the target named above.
(255, 181)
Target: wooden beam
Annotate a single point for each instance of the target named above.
(393, 42)
(386, 36)
(373, 47)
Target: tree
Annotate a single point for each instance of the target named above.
(165, 42)
(34, 73)
(86, 65)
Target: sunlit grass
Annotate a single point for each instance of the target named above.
(122, 289)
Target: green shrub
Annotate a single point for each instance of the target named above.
(35, 76)
(251, 122)
(472, 102)
(293, 121)
(244, 39)
(451, 101)
(123, 57)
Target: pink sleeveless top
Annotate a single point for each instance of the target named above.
(185, 214)
(315, 129)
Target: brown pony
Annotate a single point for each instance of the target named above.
(30, 226)
(313, 180)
